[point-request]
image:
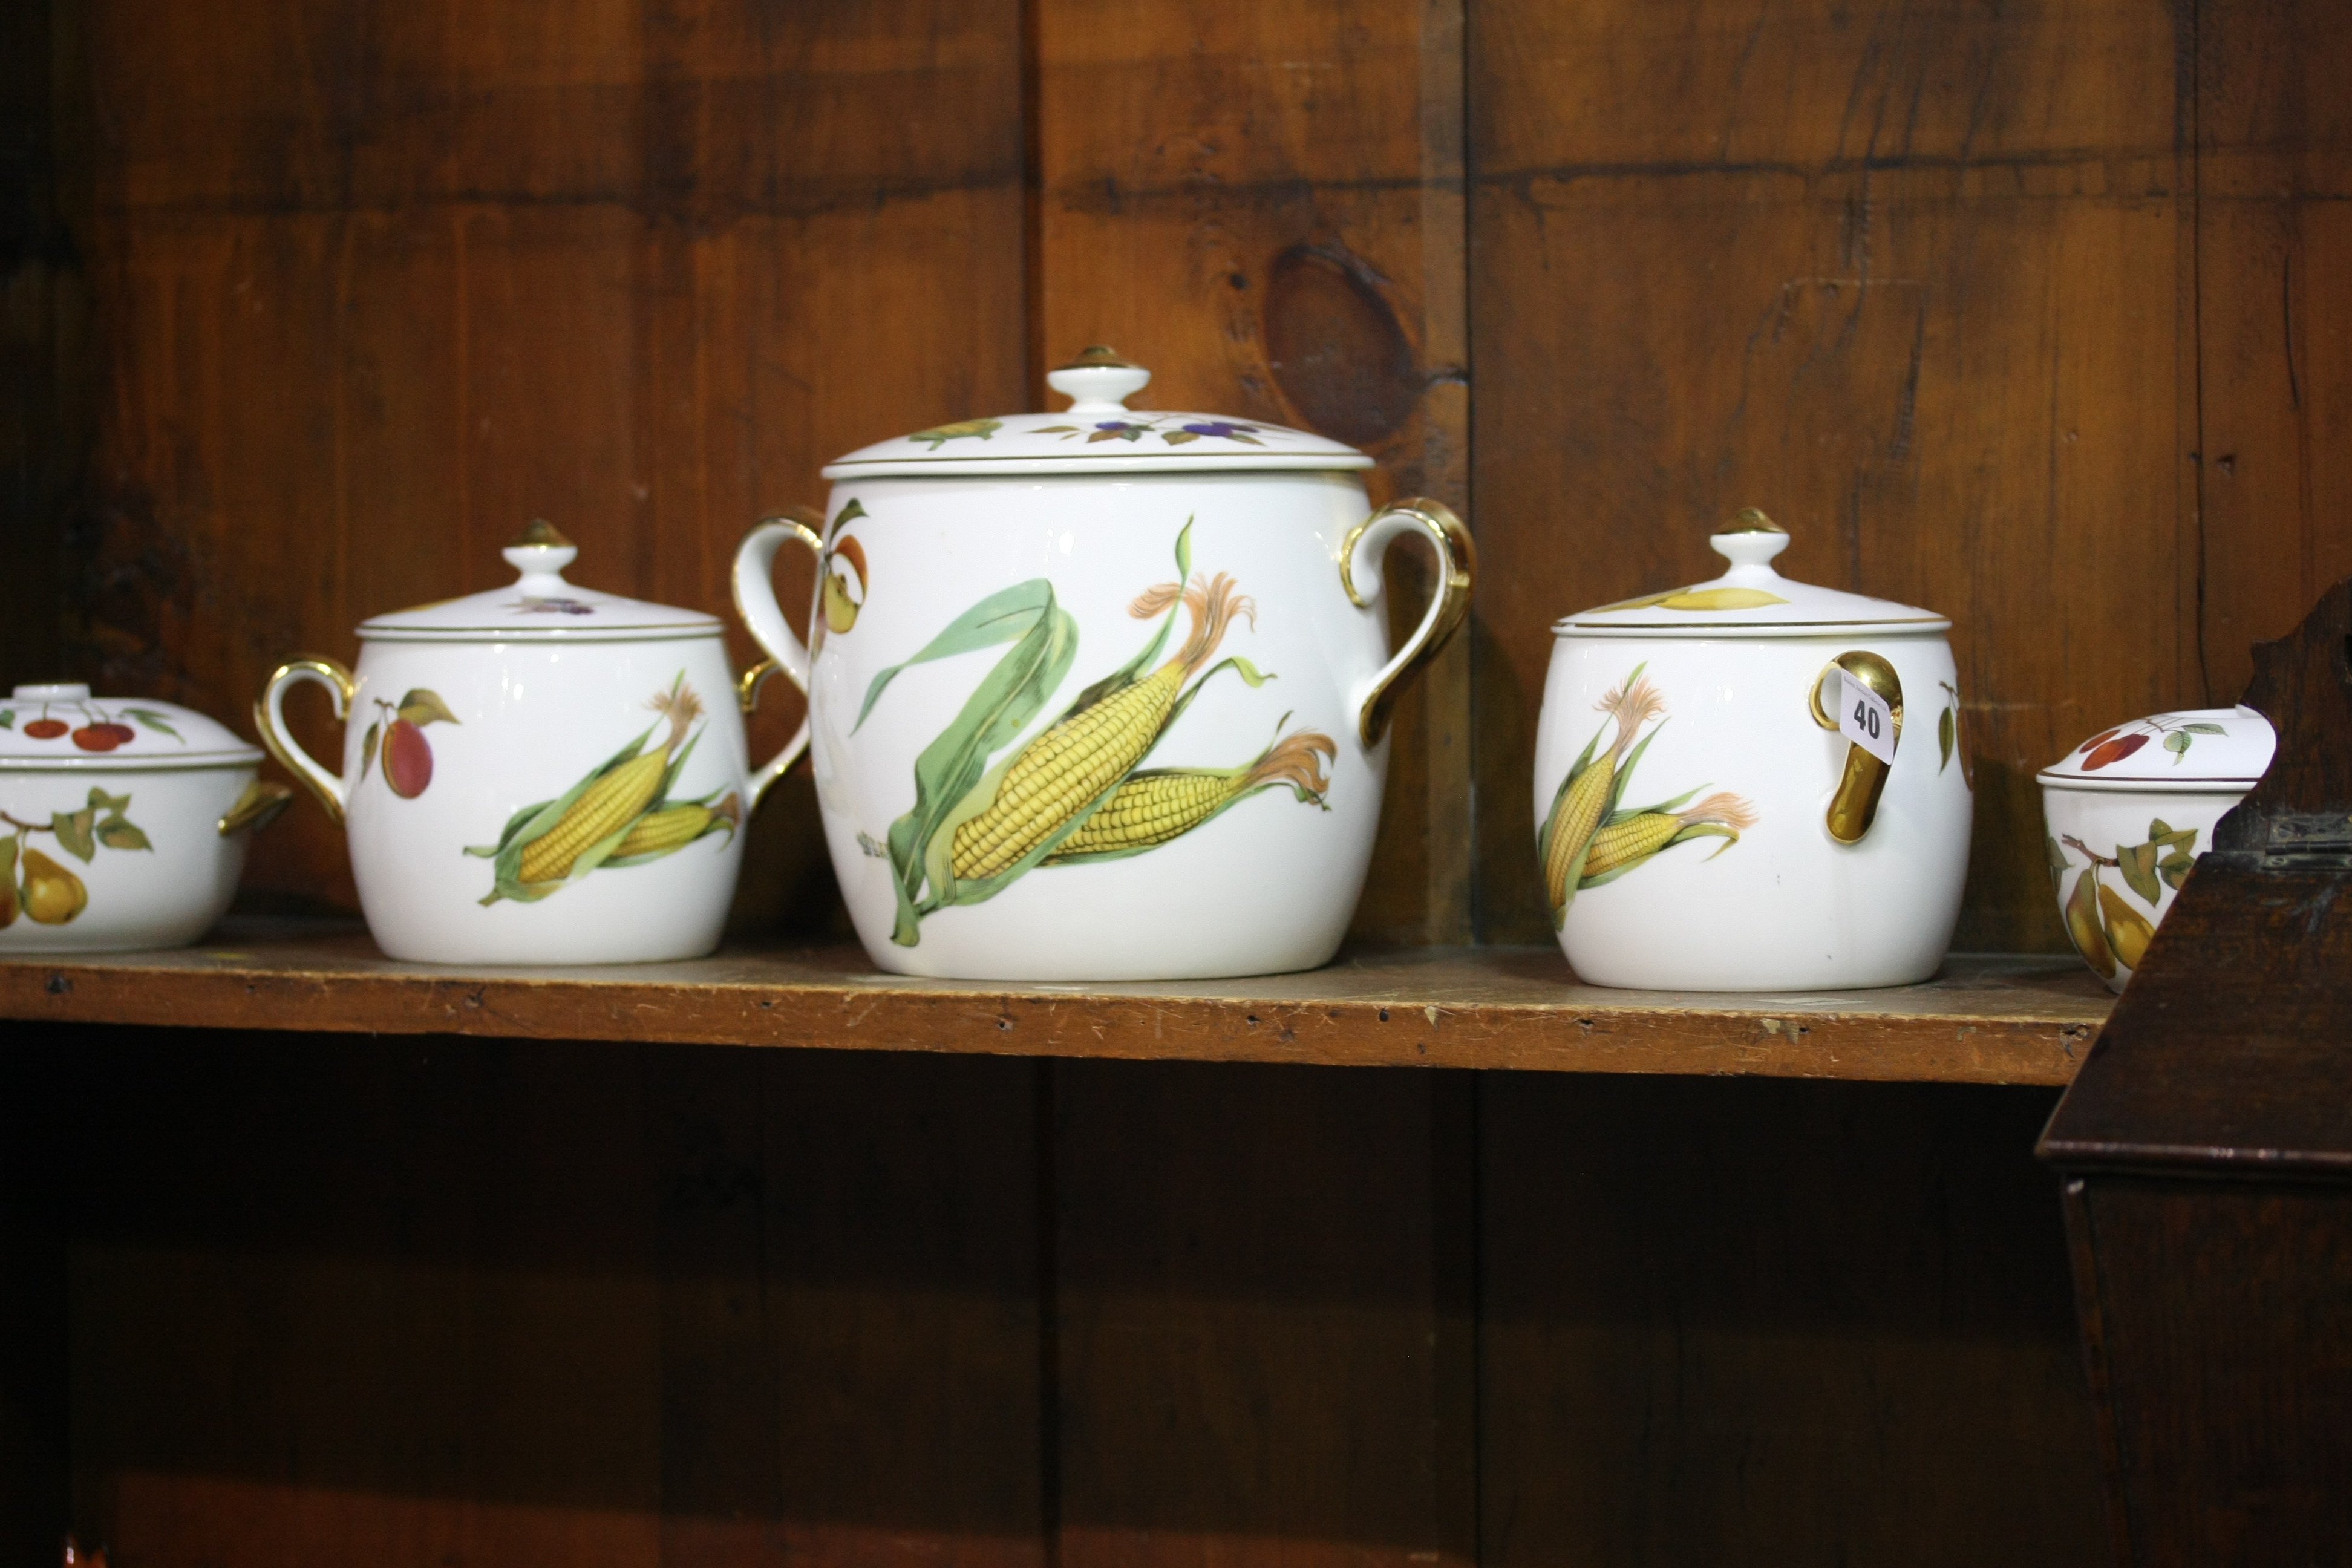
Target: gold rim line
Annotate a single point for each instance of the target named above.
(1457, 564)
(345, 687)
(1854, 806)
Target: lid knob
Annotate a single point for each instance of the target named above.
(1098, 381)
(1748, 541)
(55, 691)
(541, 552)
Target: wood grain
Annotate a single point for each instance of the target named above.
(695, 1307)
(1901, 275)
(378, 289)
(1985, 1021)
(1263, 205)
(2274, 135)
(1740, 1321)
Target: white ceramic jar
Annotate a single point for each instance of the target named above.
(1101, 694)
(1705, 823)
(542, 773)
(123, 822)
(2129, 810)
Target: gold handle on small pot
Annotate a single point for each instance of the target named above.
(256, 809)
(755, 603)
(1359, 573)
(1854, 806)
(270, 719)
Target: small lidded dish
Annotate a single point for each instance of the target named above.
(1752, 783)
(2131, 809)
(123, 822)
(541, 774)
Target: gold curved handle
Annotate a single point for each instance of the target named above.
(1854, 806)
(1359, 575)
(269, 718)
(756, 607)
(256, 809)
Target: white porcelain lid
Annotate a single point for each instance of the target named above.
(63, 726)
(539, 605)
(1097, 433)
(1752, 600)
(2226, 746)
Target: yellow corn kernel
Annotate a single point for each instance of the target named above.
(1057, 773)
(675, 826)
(1149, 810)
(1630, 840)
(598, 813)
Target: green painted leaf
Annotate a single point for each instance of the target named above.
(72, 829)
(1055, 430)
(117, 834)
(2178, 743)
(101, 801)
(422, 707)
(367, 750)
(1180, 438)
(2175, 869)
(2201, 728)
(155, 720)
(1944, 736)
(2157, 829)
(7, 717)
(2138, 867)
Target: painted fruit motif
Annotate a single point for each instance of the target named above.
(398, 734)
(8, 882)
(103, 737)
(2108, 752)
(97, 732)
(2128, 930)
(2083, 924)
(53, 895)
(47, 729)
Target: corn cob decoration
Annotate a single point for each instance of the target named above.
(1161, 803)
(674, 828)
(1586, 794)
(1066, 770)
(622, 795)
(1621, 846)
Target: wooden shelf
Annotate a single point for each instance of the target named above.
(1985, 1020)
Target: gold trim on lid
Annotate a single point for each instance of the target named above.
(1099, 356)
(538, 534)
(1751, 519)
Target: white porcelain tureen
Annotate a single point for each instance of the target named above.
(541, 773)
(1752, 783)
(2128, 812)
(1102, 694)
(123, 822)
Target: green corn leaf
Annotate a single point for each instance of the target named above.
(1004, 616)
(948, 771)
(1128, 674)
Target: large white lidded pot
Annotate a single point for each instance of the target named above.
(1103, 694)
(541, 773)
(2129, 811)
(123, 821)
(1752, 784)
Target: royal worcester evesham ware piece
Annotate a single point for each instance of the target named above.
(123, 822)
(1101, 694)
(1752, 783)
(2131, 809)
(541, 774)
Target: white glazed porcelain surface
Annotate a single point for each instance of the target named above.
(125, 849)
(1785, 906)
(2086, 822)
(1270, 883)
(2165, 750)
(519, 720)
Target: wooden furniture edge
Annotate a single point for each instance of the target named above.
(1370, 1015)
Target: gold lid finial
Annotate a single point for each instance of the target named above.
(539, 531)
(1099, 356)
(1751, 519)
